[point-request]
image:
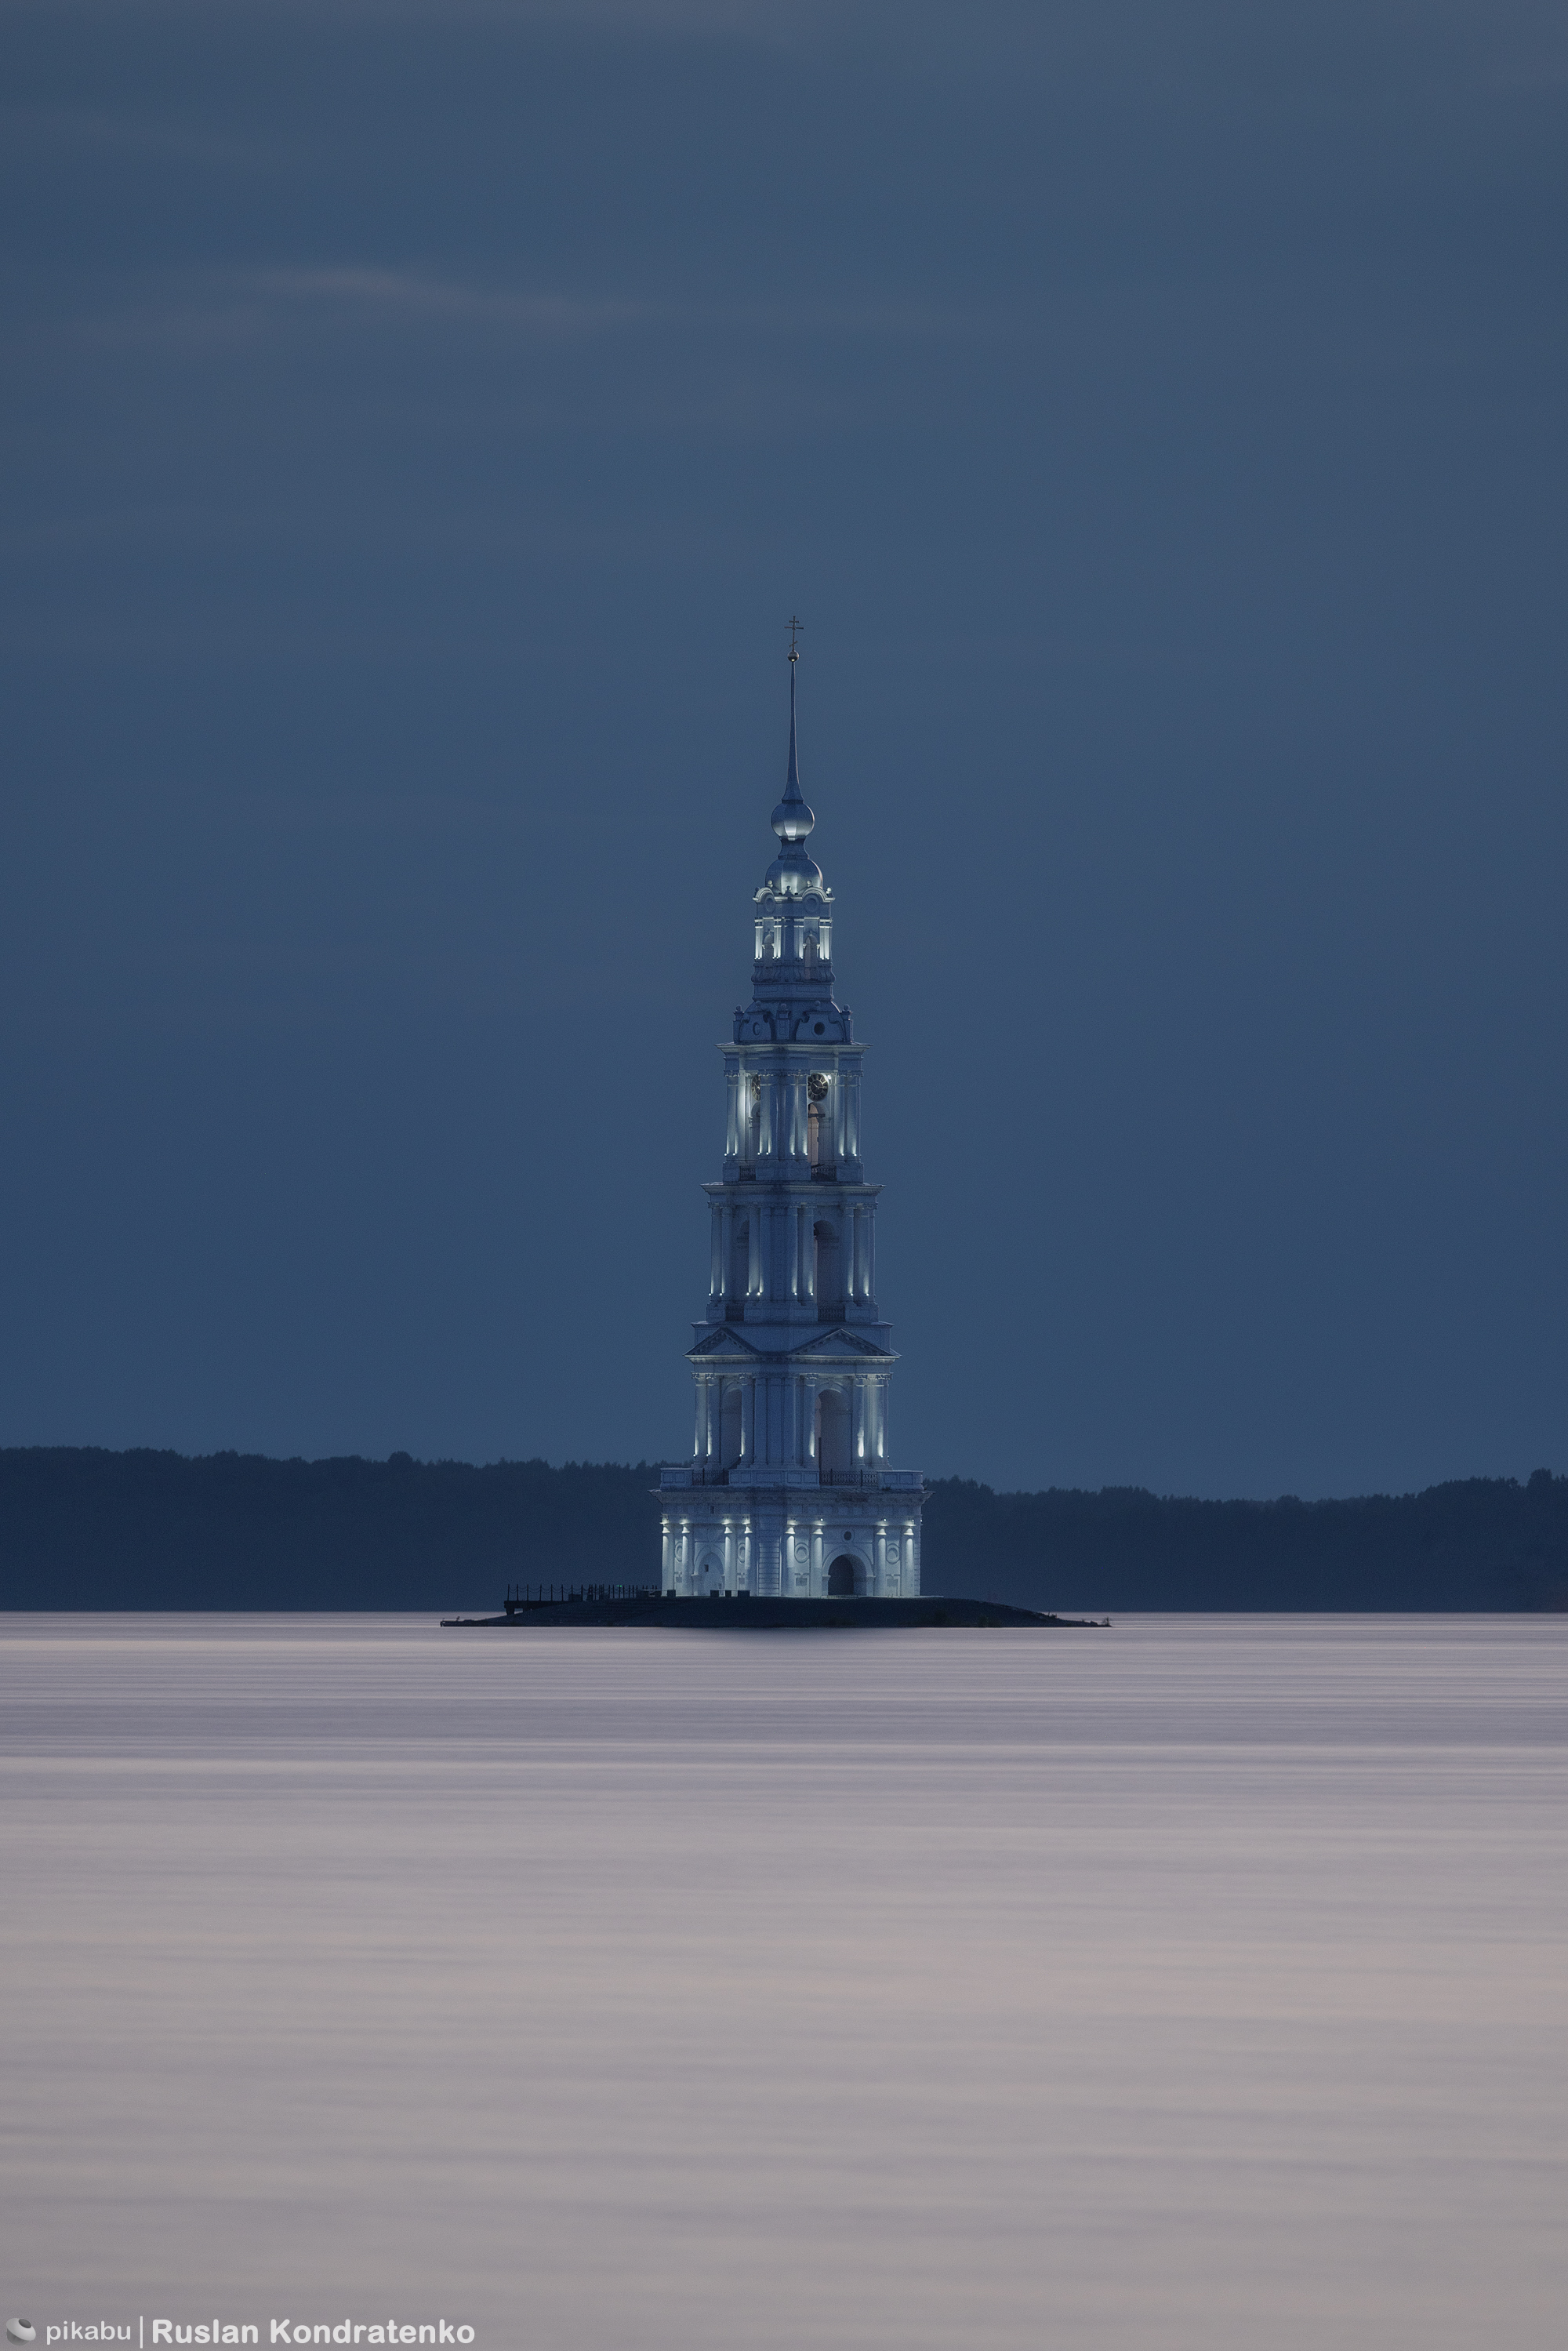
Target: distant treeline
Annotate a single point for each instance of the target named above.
(1477, 1543)
(81, 1528)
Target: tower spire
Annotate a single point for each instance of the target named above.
(793, 820)
(792, 782)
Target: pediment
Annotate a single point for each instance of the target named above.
(724, 1339)
(839, 1342)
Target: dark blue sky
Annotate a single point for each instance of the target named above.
(420, 421)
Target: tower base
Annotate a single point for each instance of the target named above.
(858, 1539)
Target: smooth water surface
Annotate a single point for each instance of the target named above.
(1197, 1983)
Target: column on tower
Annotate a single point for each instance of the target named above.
(797, 1143)
(768, 1125)
(750, 1095)
(726, 1251)
(850, 1085)
(734, 1080)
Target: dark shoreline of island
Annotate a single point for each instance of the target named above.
(722, 1613)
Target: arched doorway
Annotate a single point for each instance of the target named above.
(841, 1577)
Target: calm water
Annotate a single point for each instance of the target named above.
(1200, 1983)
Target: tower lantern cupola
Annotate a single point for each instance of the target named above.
(792, 968)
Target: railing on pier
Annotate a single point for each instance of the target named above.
(520, 1597)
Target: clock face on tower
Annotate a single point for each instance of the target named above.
(817, 1086)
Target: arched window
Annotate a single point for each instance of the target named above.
(740, 1258)
(729, 1427)
(828, 1285)
(834, 1433)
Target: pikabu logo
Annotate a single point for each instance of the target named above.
(71, 2330)
(20, 2330)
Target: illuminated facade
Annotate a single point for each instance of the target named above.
(789, 1490)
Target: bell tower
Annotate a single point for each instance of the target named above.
(788, 1491)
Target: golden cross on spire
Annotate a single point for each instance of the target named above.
(795, 628)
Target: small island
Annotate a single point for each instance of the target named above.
(742, 1612)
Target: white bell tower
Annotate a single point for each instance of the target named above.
(788, 1491)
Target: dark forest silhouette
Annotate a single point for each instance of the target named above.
(84, 1528)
